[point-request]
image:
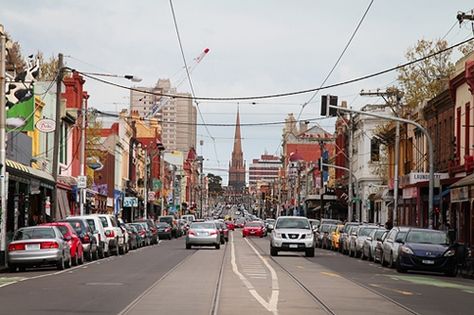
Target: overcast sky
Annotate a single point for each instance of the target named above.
(256, 48)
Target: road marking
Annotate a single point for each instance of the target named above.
(433, 282)
(408, 293)
(272, 305)
(4, 281)
(331, 274)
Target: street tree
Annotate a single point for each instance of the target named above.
(425, 79)
(48, 67)
(215, 184)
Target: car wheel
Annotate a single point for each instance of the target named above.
(453, 272)
(12, 268)
(362, 255)
(222, 241)
(218, 246)
(310, 252)
(243, 235)
(399, 267)
(188, 246)
(273, 251)
(95, 254)
(60, 265)
(80, 260)
(169, 237)
(121, 250)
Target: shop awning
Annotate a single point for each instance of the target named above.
(466, 181)
(47, 179)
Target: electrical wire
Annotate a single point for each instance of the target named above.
(338, 59)
(284, 94)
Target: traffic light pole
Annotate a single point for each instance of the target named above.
(430, 149)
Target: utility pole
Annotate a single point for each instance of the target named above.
(392, 92)
(145, 185)
(57, 132)
(350, 214)
(3, 166)
(82, 191)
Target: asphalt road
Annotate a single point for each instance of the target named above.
(102, 287)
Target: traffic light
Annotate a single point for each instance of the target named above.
(327, 100)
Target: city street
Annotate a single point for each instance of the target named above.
(240, 277)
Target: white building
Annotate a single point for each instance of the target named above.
(368, 159)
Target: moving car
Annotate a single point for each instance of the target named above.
(171, 221)
(203, 234)
(75, 244)
(269, 224)
(427, 250)
(223, 231)
(36, 246)
(230, 225)
(254, 228)
(292, 233)
(164, 230)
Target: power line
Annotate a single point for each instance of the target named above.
(284, 94)
(338, 59)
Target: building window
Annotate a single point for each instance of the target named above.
(467, 130)
(374, 150)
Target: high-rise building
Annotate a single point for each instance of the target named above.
(178, 116)
(237, 164)
(264, 169)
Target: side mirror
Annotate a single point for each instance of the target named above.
(369, 239)
(379, 239)
(399, 241)
(354, 234)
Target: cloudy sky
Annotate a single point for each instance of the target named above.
(256, 48)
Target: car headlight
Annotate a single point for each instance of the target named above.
(278, 235)
(406, 250)
(309, 235)
(449, 253)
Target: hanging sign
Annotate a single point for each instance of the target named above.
(46, 125)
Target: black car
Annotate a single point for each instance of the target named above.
(152, 229)
(164, 230)
(86, 234)
(427, 250)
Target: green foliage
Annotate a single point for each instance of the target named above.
(214, 184)
(48, 68)
(424, 80)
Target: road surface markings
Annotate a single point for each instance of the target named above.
(4, 281)
(331, 274)
(272, 305)
(433, 282)
(408, 293)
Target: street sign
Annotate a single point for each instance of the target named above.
(151, 196)
(81, 181)
(130, 202)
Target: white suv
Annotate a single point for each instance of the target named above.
(292, 233)
(113, 233)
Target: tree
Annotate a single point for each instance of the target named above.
(48, 68)
(425, 79)
(214, 184)
(15, 62)
(467, 48)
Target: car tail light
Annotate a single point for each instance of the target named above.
(110, 233)
(191, 232)
(15, 247)
(167, 229)
(49, 245)
(213, 232)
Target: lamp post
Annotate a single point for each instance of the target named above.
(130, 77)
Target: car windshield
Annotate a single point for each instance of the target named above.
(37, 233)
(378, 234)
(333, 228)
(160, 225)
(77, 226)
(325, 228)
(365, 231)
(203, 225)
(91, 224)
(427, 237)
(292, 223)
(253, 224)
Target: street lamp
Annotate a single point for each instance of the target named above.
(130, 77)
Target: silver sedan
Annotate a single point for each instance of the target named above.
(37, 245)
(203, 234)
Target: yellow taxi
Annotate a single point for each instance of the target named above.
(335, 237)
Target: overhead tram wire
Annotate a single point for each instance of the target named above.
(338, 59)
(284, 94)
(189, 77)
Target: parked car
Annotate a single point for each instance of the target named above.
(344, 237)
(320, 232)
(86, 235)
(148, 233)
(203, 234)
(172, 222)
(269, 224)
(335, 237)
(164, 230)
(153, 230)
(426, 250)
(99, 234)
(292, 233)
(254, 228)
(75, 245)
(37, 246)
(113, 233)
(314, 223)
(142, 234)
(133, 237)
(368, 248)
(357, 241)
(326, 241)
(378, 250)
(189, 218)
(391, 245)
(330, 221)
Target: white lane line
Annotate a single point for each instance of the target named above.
(273, 304)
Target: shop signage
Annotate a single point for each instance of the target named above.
(410, 192)
(459, 194)
(46, 125)
(414, 178)
(130, 202)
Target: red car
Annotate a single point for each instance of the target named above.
(230, 225)
(77, 252)
(255, 228)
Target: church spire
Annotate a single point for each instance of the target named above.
(237, 137)
(237, 165)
